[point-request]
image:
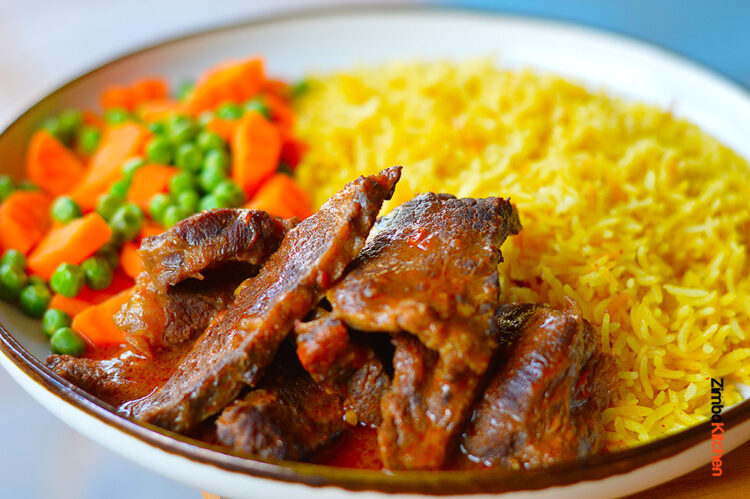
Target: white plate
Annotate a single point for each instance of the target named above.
(339, 39)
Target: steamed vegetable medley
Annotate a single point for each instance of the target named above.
(99, 182)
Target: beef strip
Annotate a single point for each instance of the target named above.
(425, 407)
(430, 268)
(236, 348)
(289, 416)
(343, 366)
(544, 402)
(190, 247)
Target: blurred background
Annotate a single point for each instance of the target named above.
(47, 42)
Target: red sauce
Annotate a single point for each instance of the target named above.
(357, 448)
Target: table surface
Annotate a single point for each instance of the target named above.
(46, 42)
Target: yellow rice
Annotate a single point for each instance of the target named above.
(640, 217)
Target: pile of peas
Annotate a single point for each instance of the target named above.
(203, 183)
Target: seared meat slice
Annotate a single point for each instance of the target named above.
(289, 416)
(235, 349)
(425, 407)
(127, 376)
(430, 268)
(343, 366)
(545, 400)
(197, 243)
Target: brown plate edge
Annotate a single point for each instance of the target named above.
(438, 483)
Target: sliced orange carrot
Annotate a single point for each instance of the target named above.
(225, 128)
(97, 325)
(281, 196)
(292, 150)
(256, 147)
(24, 219)
(148, 89)
(158, 110)
(148, 181)
(120, 282)
(71, 243)
(281, 112)
(130, 262)
(231, 81)
(275, 87)
(51, 165)
(150, 229)
(71, 306)
(116, 96)
(92, 119)
(105, 168)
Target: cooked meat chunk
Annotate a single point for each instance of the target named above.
(423, 412)
(186, 250)
(236, 348)
(289, 416)
(430, 268)
(127, 376)
(343, 366)
(544, 402)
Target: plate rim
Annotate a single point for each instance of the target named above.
(596, 467)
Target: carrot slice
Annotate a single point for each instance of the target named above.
(281, 196)
(281, 112)
(225, 128)
(24, 219)
(116, 96)
(158, 110)
(51, 165)
(148, 181)
(92, 119)
(150, 229)
(71, 243)
(148, 89)
(256, 147)
(71, 306)
(130, 261)
(231, 81)
(118, 144)
(97, 325)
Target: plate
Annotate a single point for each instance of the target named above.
(324, 40)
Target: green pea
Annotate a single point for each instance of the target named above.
(53, 319)
(216, 158)
(12, 281)
(116, 115)
(131, 166)
(258, 105)
(28, 185)
(300, 88)
(7, 186)
(88, 139)
(188, 201)
(208, 140)
(65, 209)
(52, 126)
(159, 150)
(70, 122)
(230, 192)
(211, 176)
(173, 214)
(181, 129)
(98, 272)
(110, 254)
(34, 300)
(68, 280)
(183, 181)
(211, 202)
(184, 90)
(107, 205)
(157, 128)
(158, 205)
(126, 222)
(189, 157)
(205, 117)
(66, 341)
(120, 188)
(229, 111)
(15, 258)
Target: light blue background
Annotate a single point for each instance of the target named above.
(714, 33)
